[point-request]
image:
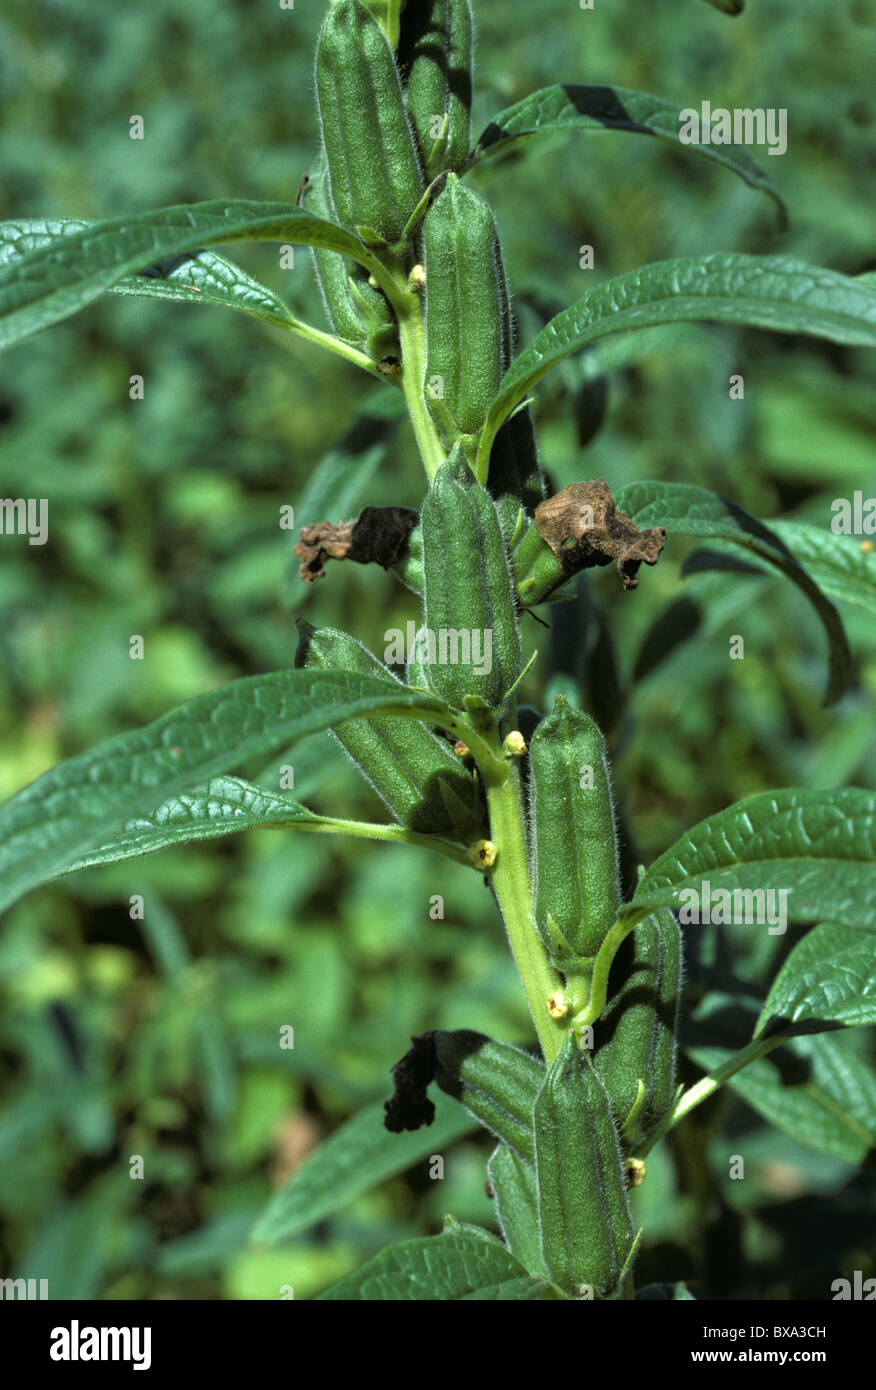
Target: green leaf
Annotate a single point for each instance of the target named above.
(513, 1181)
(829, 979)
(458, 1265)
(693, 511)
(820, 846)
(814, 1088)
(52, 281)
(73, 808)
(358, 1156)
(838, 564)
(566, 106)
(200, 278)
(775, 292)
(224, 806)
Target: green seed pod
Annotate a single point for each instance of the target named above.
(515, 481)
(496, 1082)
(436, 55)
(574, 842)
(586, 1225)
(467, 310)
(374, 171)
(469, 603)
(537, 571)
(414, 772)
(409, 566)
(332, 270)
(636, 1035)
(514, 1189)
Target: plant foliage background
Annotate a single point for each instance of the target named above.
(160, 1037)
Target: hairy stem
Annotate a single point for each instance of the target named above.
(510, 883)
(695, 1096)
(370, 830)
(412, 336)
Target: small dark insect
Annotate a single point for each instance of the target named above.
(301, 187)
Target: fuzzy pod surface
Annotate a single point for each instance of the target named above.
(496, 1082)
(467, 309)
(470, 613)
(374, 170)
(586, 1224)
(636, 1034)
(436, 56)
(573, 834)
(414, 772)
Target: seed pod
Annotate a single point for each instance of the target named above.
(409, 566)
(333, 270)
(467, 310)
(512, 1179)
(586, 1225)
(414, 772)
(636, 1035)
(574, 842)
(373, 167)
(515, 481)
(435, 54)
(496, 1082)
(537, 571)
(469, 604)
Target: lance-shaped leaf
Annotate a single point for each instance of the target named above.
(815, 1088)
(203, 277)
(73, 808)
(225, 806)
(818, 845)
(840, 565)
(50, 282)
(828, 980)
(461, 1264)
(358, 1156)
(693, 511)
(775, 292)
(567, 106)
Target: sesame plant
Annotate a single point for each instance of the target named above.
(408, 259)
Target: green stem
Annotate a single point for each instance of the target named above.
(369, 830)
(510, 882)
(695, 1096)
(412, 337)
(333, 344)
(602, 966)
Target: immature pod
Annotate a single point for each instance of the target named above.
(636, 1035)
(332, 269)
(586, 1225)
(374, 171)
(467, 310)
(512, 1179)
(414, 772)
(469, 604)
(496, 1082)
(574, 842)
(436, 55)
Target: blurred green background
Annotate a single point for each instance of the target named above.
(160, 1037)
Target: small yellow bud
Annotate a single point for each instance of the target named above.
(515, 744)
(461, 749)
(866, 546)
(636, 1171)
(558, 1004)
(483, 854)
(417, 279)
